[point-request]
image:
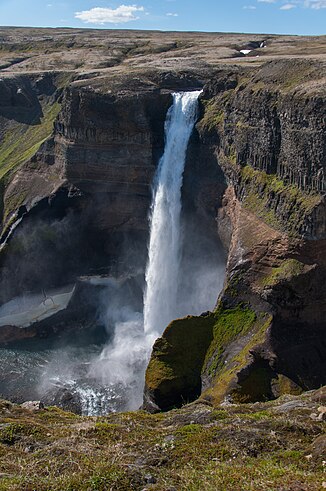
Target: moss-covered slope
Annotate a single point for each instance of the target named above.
(203, 355)
(173, 376)
(29, 106)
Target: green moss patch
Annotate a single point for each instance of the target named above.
(225, 378)
(23, 141)
(288, 269)
(282, 206)
(229, 324)
(191, 347)
(213, 115)
(173, 373)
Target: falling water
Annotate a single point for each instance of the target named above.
(115, 378)
(162, 274)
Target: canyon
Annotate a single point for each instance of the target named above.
(82, 117)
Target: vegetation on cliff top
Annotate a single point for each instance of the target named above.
(271, 446)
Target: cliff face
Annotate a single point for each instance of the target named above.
(91, 180)
(109, 146)
(79, 151)
(266, 130)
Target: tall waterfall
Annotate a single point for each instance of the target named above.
(177, 284)
(162, 274)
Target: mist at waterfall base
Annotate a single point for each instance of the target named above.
(123, 361)
(184, 274)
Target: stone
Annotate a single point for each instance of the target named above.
(319, 395)
(33, 405)
(322, 413)
(318, 447)
(150, 479)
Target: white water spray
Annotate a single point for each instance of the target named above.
(162, 273)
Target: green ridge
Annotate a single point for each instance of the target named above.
(23, 141)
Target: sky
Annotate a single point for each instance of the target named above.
(252, 16)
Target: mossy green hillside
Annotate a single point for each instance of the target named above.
(23, 140)
(282, 206)
(224, 372)
(229, 324)
(190, 347)
(19, 144)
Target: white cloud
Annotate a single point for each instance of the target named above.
(172, 14)
(310, 4)
(249, 7)
(315, 4)
(120, 15)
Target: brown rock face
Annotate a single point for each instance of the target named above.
(92, 177)
(109, 146)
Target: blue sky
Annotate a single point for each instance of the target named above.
(255, 16)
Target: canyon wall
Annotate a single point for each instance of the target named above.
(90, 179)
(75, 194)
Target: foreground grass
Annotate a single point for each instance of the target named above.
(250, 447)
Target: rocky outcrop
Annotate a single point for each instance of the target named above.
(173, 374)
(52, 316)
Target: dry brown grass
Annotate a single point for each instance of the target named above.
(265, 447)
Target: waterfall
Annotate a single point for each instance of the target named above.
(123, 361)
(114, 379)
(162, 273)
